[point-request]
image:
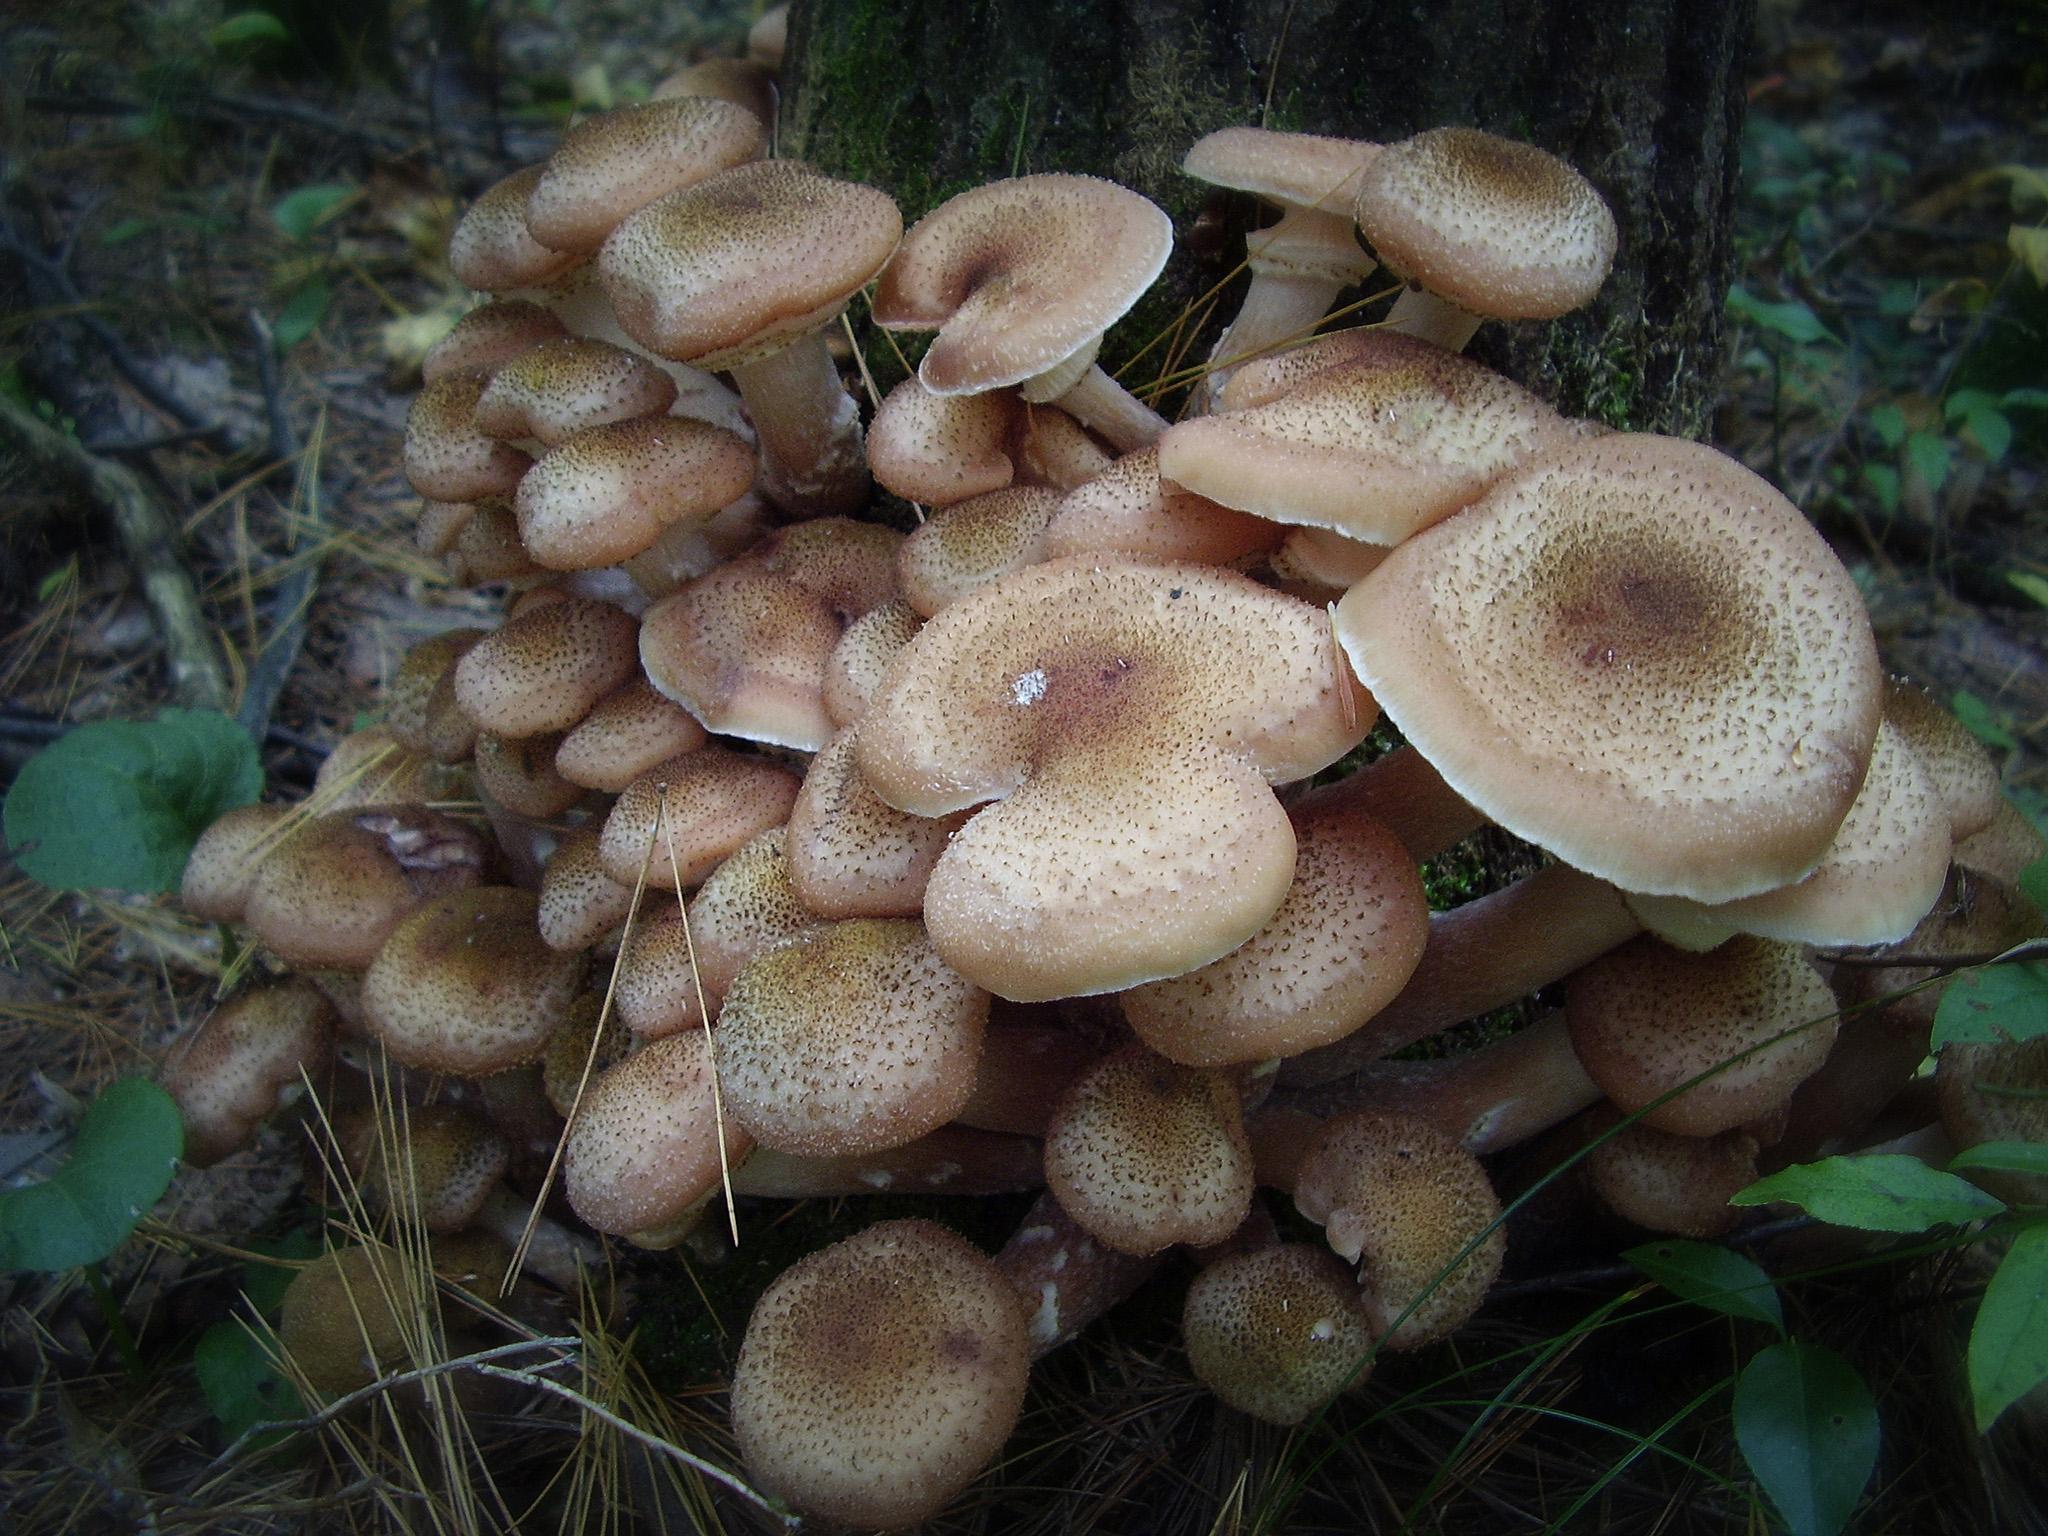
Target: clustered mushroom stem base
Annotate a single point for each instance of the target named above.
(813, 460)
(1280, 310)
(1105, 407)
(1421, 314)
(1405, 794)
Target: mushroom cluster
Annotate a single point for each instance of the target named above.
(822, 858)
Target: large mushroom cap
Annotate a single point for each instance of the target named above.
(1019, 275)
(879, 1375)
(1130, 718)
(1498, 228)
(1638, 655)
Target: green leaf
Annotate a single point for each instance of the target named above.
(120, 803)
(2034, 586)
(2009, 1342)
(302, 314)
(1981, 721)
(121, 1162)
(1791, 319)
(2028, 1157)
(242, 1386)
(1929, 454)
(302, 212)
(1807, 1426)
(121, 231)
(1883, 481)
(247, 27)
(1963, 401)
(1711, 1276)
(1991, 430)
(1995, 1004)
(2036, 398)
(1885, 1192)
(1889, 423)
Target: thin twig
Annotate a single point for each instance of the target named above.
(273, 661)
(149, 541)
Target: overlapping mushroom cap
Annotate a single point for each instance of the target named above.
(1638, 655)
(1129, 719)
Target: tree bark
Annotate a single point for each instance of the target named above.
(1645, 97)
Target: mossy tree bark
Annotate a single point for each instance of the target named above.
(926, 97)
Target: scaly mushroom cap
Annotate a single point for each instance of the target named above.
(1635, 653)
(862, 657)
(371, 767)
(1127, 508)
(743, 82)
(1394, 440)
(490, 336)
(962, 548)
(1498, 228)
(569, 1052)
(1302, 170)
(1401, 1200)
(734, 268)
(1143, 1153)
(853, 855)
(465, 984)
(243, 1063)
(1879, 877)
(438, 1169)
(547, 667)
(447, 456)
(643, 1154)
(1128, 718)
(493, 251)
(1278, 1332)
(1342, 944)
(1017, 276)
(332, 891)
(612, 492)
(878, 1376)
(686, 817)
(1676, 1184)
(560, 388)
(223, 862)
(488, 548)
(579, 902)
(1646, 1017)
(939, 449)
(614, 163)
(1962, 771)
(518, 774)
(627, 733)
(850, 1038)
(1265, 379)
(419, 705)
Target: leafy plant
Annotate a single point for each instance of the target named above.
(120, 803)
(127, 1147)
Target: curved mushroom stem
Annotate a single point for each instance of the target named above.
(1299, 266)
(1104, 406)
(1066, 1278)
(1421, 314)
(1489, 1099)
(1484, 955)
(812, 458)
(1403, 792)
(559, 1256)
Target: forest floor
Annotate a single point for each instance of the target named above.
(220, 265)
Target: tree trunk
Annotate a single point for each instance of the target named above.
(928, 97)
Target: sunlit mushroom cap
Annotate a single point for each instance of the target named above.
(849, 1038)
(1129, 718)
(1019, 275)
(1497, 227)
(878, 1376)
(1396, 438)
(1277, 1332)
(613, 163)
(1638, 655)
(735, 267)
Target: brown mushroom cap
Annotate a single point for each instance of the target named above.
(878, 1376)
(627, 733)
(244, 1061)
(546, 668)
(558, 388)
(1019, 275)
(419, 704)
(223, 862)
(963, 547)
(1638, 655)
(1402, 1200)
(579, 902)
(1646, 1018)
(447, 456)
(862, 657)
(493, 251)
(1128, 508)
(850, 853)
(437, 1166)
(1675, 1184)
(1128, 718)
(1341, 946)
(849, 1038)
(518, 774)
(1277, 1332)
(611, 492)
(1962, 771)
(465, 984)
(1143, 1153)
(699, 808)
(939, 449)
(490, 336)
(613, 163)
(1498, 228)
(1994, 1092)
(733, 268)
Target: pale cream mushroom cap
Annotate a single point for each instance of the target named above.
(1019, 275)
(939, 449)
(546, 668)
(686, 817)
(1635, 653)
(963, 547)
(1129, 719)
(1276, 1332)
(493, 251)
(862, 657)
(613, 163)
(850, 853)
(1304, 170)
(878, 1376)
(558, 388)
(1128, 508)
(849, 1038)
(611, 492)
(1497, 227)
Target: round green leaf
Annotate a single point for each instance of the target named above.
(1807, 1426)
(121, 1162)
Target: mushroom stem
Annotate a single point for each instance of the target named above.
(1409, 797)
(559, 1256)
(1484, 955)
(1299, 266)
(1488, 1099)
(1105, 407)
(1066, 1278)
(812, 458)
(1421, 314)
